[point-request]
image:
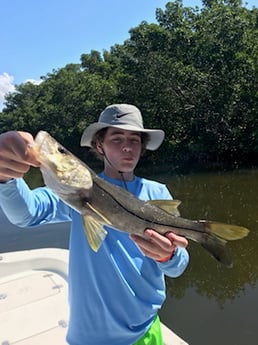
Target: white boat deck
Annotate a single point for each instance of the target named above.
(33, 299)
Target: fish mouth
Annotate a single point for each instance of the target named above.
(40, 139)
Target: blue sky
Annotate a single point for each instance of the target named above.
(41, 35)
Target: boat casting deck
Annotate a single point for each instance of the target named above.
(33, 299)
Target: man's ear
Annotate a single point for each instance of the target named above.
(99, 148)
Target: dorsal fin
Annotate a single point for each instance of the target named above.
(170, 206)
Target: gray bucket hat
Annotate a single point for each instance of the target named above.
(124, 116)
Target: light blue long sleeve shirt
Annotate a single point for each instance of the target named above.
(114, 294)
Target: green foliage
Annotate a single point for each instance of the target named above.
(193, 74)
(64, 103)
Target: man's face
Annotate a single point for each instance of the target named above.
(121, 149)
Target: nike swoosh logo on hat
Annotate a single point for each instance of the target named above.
(116, 117)
(120, 115)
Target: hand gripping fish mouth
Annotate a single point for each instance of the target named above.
(101, 203)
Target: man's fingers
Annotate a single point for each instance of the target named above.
(178, 241)
(28, 154)
(16, 157)
(160, 240)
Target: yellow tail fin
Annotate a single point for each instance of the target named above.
(227, 232)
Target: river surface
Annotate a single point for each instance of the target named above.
(210, 304)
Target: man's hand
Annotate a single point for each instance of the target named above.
(15, 155)
(157, 246)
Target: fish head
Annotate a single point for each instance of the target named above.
(61, 170)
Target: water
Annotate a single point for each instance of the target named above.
(209, 304)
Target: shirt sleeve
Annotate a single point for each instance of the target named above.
(176, 265)
(28, 208)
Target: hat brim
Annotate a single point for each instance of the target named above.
(156, 136)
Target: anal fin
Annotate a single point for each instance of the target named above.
(216, 247)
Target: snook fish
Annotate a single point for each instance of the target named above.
(101, 203)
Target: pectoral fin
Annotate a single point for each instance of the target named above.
(170, 206)
(95, 232)
(106, 221)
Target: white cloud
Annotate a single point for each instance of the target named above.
(33, 81)
(6, 85)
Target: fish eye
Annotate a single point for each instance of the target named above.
(62, 150)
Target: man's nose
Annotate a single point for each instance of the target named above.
(127, 146)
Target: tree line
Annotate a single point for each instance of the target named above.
(194, 74)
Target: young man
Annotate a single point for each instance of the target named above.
(114, 294)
